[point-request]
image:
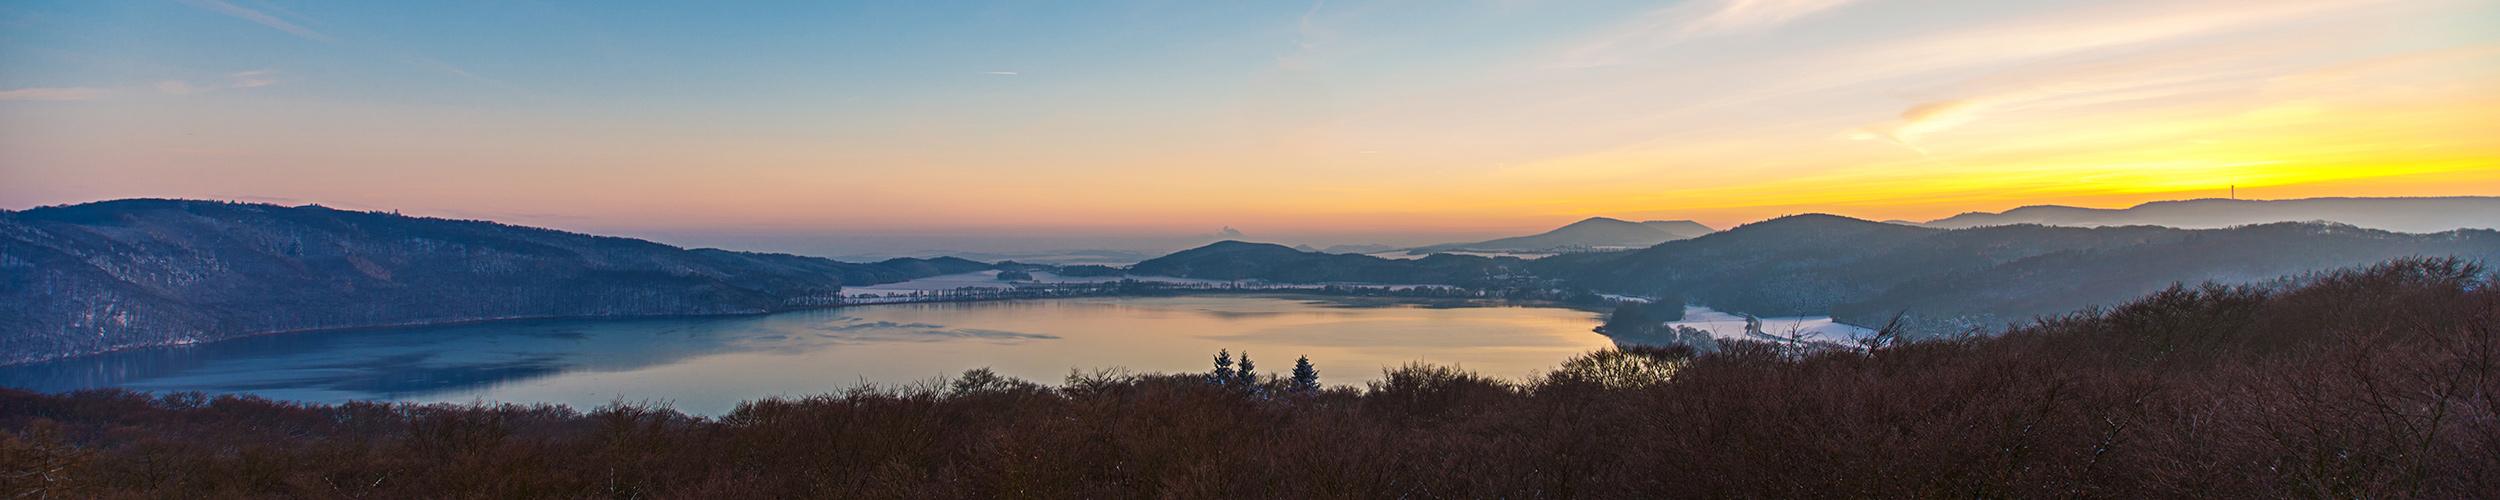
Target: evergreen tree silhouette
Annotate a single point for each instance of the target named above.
(1249, 376)
(1223, 374)
(1305, 376)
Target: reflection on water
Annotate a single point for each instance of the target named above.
(707, 364)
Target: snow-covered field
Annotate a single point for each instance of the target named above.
(1810, 329)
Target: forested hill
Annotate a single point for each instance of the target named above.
(2063, 281)
(2413, 215)
(123, 274)
(1233, 260)
(1864, 272)
(1590, 232)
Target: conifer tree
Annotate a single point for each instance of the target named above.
(1223, 368)
(1249, 376)
(1305, 376)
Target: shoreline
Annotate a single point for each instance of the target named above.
(1286, 289)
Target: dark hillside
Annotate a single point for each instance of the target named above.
(786, 264)
(1788, 266)
(1864, 272)
(122, 274)
(1680, 228)
(1590, 232)
(1234, 260)
(2373, 383)
(2411, 215)
(2056, 282)
(915, 268)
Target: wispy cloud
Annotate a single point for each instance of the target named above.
(1736, 16)
(245, 79)
(254, 78)
(177, 87)
(2049, 80)
(54, 94)
(257, 17)
(2037, 82)
(264, 19)
(2084, 54)
(2073, 82)
(1309, 37)
(1672, 25)
(2409, 61)
(1308, 27)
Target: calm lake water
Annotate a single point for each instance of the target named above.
(706, 365)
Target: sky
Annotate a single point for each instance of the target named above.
(829, 127)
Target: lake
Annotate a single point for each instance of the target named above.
(706, 365)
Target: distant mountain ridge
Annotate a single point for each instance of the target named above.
(2409, 215)
(112, 275)
(1238, 260)
(1680, 228)
(1593, 232)
(2064, 281)
(1863, 272)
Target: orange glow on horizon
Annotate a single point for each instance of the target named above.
(1361, 125)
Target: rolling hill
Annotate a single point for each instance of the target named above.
(124, 274)
(1863, 272)
(2412, 215)
(1235, 260)
(1594, 232)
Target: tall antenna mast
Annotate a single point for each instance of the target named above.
(2235, 191)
